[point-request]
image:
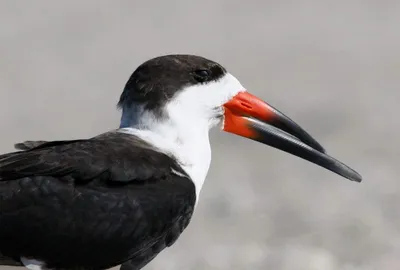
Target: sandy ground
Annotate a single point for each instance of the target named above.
(333, 66)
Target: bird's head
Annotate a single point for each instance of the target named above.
(185, 95)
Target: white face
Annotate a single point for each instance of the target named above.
(203, 103)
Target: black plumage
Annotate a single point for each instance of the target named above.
(157, 80)
(91, 204)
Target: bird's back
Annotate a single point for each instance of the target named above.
(91, 204)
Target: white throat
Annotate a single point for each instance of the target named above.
(193, 152)
(184, 133)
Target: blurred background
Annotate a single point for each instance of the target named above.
(332, 66)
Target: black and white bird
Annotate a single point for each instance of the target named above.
(123, 196)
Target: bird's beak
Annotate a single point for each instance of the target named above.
(248, 116)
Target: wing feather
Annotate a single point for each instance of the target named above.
(91, 204)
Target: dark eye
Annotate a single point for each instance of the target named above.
(202, 75)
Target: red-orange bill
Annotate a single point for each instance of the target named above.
(248, 116)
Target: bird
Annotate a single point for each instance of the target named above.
(123, 196)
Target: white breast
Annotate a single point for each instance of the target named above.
(33, 264)
(194, 154)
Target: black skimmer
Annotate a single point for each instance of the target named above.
(121, 197)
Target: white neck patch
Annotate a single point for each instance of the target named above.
(184, 133)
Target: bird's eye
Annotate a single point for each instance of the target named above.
(202, 75)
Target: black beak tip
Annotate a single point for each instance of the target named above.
(356, 177)
(340, 168)
(292, 128)
(306, 147)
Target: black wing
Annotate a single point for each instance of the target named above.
(91, 204)
(28, 145)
